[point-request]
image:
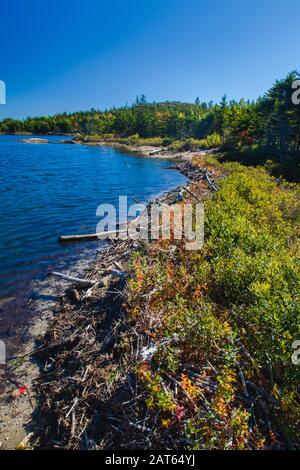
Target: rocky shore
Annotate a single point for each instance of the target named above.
(71, 344)
(149, 151)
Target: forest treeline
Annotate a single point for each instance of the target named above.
(265, 129)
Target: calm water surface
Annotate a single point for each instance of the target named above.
(48, 190)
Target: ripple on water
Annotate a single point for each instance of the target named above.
(50, 190)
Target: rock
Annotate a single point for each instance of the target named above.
(73, 295)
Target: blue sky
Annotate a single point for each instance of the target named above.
(68, 55)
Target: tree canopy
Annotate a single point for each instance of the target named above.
(272, 122)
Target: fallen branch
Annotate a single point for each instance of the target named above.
(118, 265)
(89, 292)
(191, 192)
(76, 280)
(72, 407)
(212, 185)
(90, 236)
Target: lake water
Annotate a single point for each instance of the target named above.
(48, 190)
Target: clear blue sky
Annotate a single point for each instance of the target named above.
(68, 55)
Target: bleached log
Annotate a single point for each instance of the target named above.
(191, 192)
(90, 236)
(118, 265)
(213, 186)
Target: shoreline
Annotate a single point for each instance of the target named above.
(34, 313)
(73, 344)
(16, 409)
(149, 151)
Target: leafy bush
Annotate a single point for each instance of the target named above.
(213, 140)
(133, 139)
(233, 312)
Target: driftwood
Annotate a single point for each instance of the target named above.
(75, 280)
(191, 192)
(118, 265)
(89, 292)
(89, 236)
(211, 184)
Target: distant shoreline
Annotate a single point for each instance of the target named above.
(149, 151)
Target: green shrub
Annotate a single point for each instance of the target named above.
(234, 305)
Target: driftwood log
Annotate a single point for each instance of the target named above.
(75, 280)
(211, 184)
(89, 236)
(191, 192)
